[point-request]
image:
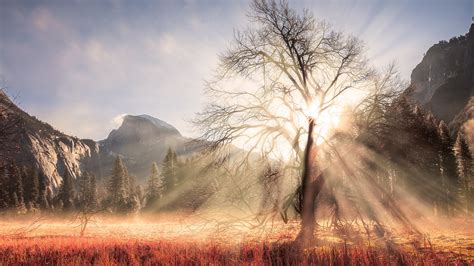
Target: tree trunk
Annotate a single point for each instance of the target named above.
(312, 183)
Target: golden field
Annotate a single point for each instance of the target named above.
(168, 241)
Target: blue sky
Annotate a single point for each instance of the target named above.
(79, 64)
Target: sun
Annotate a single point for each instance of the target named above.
(326, 120)
(294, 120)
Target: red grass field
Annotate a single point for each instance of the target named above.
(50, 242)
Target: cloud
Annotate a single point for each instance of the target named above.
(78, 65)
(118, 120)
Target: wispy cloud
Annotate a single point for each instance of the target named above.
(77, 65)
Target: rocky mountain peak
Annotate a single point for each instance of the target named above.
(38, 144)
(141, 140)
(140, 128)
(444, 80)
(145, 120)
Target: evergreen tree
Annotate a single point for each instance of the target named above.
(465, 169)
(84, 190)
(154, 187)
(15, 186)
(410, 141)
(18, 204)
(140, 194)
(132, 185)
(4, 197)
(431, 166)
(118, 190)
(94, 194)
(88, 195)
(448, 168)
(126, 183)
(43, 200)
(66, 192)
(134, 203)
(31, 186)
(169, 173)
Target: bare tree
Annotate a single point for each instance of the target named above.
(290, 70)
(84, 216)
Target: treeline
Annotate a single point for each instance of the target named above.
(23, 189)
(413, 151)
(26, 189)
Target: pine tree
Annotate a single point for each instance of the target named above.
(170, 175)
(132, 185)
(140, 194)
(134, 203)
(31, 186)
(15, 186)
(154, 187)
(18, 204)
(126, 182)
(84, 190)
(66, 192)
(43, 201)
(432, 163)
(94, 194)
(118, 190)
(88, 195)
(4, 197)
(448, 168)
(465, 169)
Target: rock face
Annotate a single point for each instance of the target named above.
(444, 80)
(31, 142)
(140, 132)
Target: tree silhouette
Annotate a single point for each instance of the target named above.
(295, 67)
(465, 170)
(31, 186)
(154, 188)
(170, 171)
(448, 168)
(118, 186)
(66, 192)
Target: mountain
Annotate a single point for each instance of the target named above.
(141, 140)
(444, 80)
(31, 142)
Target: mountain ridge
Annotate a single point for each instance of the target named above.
(139, 140)
(444, 79)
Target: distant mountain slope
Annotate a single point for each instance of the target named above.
(444, 80)
(38, 144)
(141, 140)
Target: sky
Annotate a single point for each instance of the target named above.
(81, 65)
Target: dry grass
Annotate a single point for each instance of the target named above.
(107, 251)
(174, 242)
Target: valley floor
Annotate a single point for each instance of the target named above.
(134, 241)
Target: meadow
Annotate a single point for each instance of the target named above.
(172, 241)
